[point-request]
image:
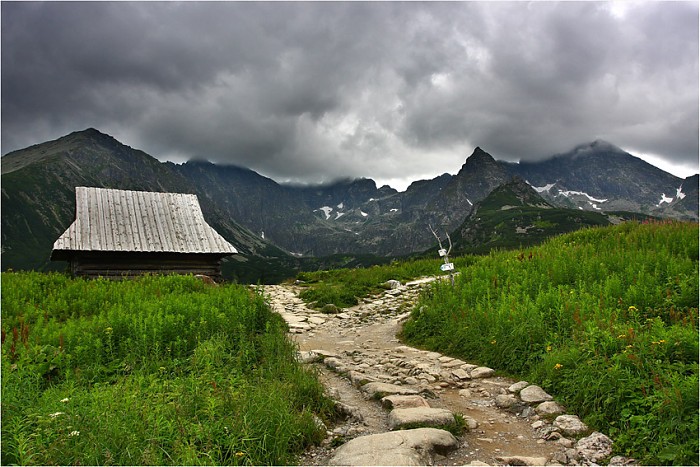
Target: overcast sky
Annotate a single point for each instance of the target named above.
(396, 92)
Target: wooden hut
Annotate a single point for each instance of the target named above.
(119, 233)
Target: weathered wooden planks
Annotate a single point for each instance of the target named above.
(124, 220)
(124, 232)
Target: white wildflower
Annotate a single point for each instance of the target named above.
(75, 433)
(56, 414)
(65, 400)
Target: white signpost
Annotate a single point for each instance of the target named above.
(445, 255)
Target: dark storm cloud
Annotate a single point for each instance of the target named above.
(314, 91)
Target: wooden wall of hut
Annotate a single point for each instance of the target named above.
(119, 265)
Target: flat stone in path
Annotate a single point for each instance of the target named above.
(407, 447)
(420, 416)
(379, 390)
(403, 402)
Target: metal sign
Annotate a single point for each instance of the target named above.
(447, 267)
(442, 252)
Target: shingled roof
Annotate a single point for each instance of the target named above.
(111, 220)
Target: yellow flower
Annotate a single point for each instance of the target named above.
(632, 309)
(240, 454)
(622, 336)
(558, 366)
(549, 348)
(493, 341)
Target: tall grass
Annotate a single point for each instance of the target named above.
(160, 370)
(605, 318)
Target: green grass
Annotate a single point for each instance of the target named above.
(344, 287)
(605, 319)
(155, 371)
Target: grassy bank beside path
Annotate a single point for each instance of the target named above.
(155, 371)
(605, 319)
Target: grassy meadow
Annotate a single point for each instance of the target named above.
(604, 319)
(155, 371)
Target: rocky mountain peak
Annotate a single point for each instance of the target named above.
(478, 158)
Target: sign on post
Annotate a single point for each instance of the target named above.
(445, 255)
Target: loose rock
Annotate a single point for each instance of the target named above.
(534, 394)
(517, 387)
(482, 372)
(549, 408)
(594, 447)
(570, 425)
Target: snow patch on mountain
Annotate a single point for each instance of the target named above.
(679, 193)
(364, 214)
(570, 193)
(665, 199)
(338, 215)
(541, 189)
(341, 205)
(326, 210)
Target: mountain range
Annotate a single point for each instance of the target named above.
(279, 227)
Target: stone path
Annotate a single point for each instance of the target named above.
(381, 385)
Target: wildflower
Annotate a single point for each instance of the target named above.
(65, 400)
(493, 342)
(558, 366)
(240, 454)
(75, 433)
(108, 330)
(549, 348)
(662, 341)
(622, 336)
(632, 309)
(56, 414)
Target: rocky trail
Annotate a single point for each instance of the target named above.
(398, 400)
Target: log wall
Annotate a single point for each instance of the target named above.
(115, 265)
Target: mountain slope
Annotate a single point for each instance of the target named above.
(515, 215)
(601, 177)
(38, 195)
(274, 225)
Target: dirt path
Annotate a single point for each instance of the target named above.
(360, 345)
